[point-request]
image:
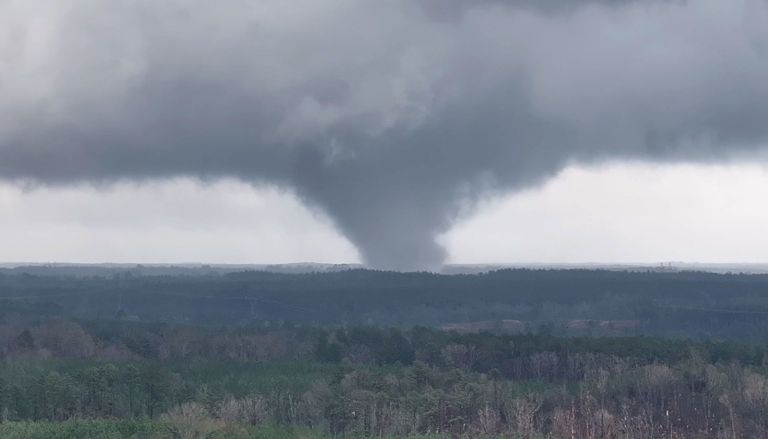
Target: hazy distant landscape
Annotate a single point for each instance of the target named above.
(656, 300)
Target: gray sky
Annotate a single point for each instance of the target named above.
(618, 213)
(403, 133)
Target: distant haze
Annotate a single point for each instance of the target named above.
(394, 120)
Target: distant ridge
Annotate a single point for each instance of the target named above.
(196, 269)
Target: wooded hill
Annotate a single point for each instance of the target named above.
(684, 304)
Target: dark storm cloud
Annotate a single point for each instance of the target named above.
(385, 115)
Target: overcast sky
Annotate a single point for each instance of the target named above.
(618, 213)
(403, 134)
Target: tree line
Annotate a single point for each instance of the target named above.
(684, 304)
(365, 381)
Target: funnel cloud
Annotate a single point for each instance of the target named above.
(394, 118)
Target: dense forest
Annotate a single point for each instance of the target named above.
(585, 302)
(357, 354)
(157, 380)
